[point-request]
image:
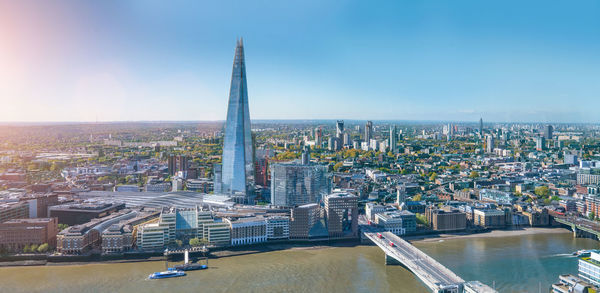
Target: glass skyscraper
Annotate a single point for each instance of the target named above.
(238, 162)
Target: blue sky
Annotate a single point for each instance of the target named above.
(404, 60)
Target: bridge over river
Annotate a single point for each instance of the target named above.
(436, 277)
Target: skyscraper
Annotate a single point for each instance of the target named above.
(393, 137)
(481, 126)
(368, 131)
(238, 167)
(548, 132)
(489, 146)
(339, 129)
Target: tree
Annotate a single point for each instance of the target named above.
(592, 216)
(179, 243)
(417, 197)
(542, 191)
(337, 166)
(62, 227)
(26, 249)
(43, 248)
(474, 174)
(433, 176)
(33, 248)
(195, 242)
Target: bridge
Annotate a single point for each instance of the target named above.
(579, 225)
(434, 275)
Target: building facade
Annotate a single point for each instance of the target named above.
(297, 184)
(341, 214)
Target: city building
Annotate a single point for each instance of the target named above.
(303, 218)
(14, 210)
(498, 196)
(548, 132)
(372, 209)
(341, 214)
(393, 142)
(296, 184)
(248, 230)
(589, 268)
(489, 145)
(278, 227)
(489, 218)
(368, 131)
(17, 233)
(238, 162)
(446, 219)
(76, 214)
(178, 163)
(397, 222)
(217, 233)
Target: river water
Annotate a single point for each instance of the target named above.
(514, 264)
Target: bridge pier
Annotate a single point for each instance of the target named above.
(391, 261)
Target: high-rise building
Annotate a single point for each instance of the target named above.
(295, 184)
(347, 141)
(178, 163)
(238, 167)
(481, 126)
(489, 146)
(393, 138)
(548, 132)
(339, 129)
(540, 142)
(305, 155)
(368, 131)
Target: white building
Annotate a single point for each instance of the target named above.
(248, 230)
(589, 268)
(372, 209)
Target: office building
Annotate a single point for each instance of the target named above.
(341, 214)
(303, 219)
(248, 230)
(14, 210)
(446, 219)
(296, 184)
(238, 162)
(261, 174)
(589, 268)
(76, 214)
(372, 209)
(278, 227)
(217, 233)
(16, 233)
(397, 222)
(489, 218)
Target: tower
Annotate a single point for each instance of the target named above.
(368, 131)
(393, 138)
(238, 167)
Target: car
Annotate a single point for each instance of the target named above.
(392, 244)
(379, 235)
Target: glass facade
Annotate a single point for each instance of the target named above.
(238, 167)
(294, 184)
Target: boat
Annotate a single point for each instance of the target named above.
(170, 273)
(190, 267)
(187, 266)
(583, 252)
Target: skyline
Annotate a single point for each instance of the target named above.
(151, 62)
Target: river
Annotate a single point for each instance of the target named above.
(514, 264)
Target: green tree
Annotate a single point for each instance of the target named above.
(592, 216)
(33, 248)
(542, 191)
(43, 248)
(179, 243)
(474, 174)
(417, 197)
(62, 227)
(195, 242)
(26, 249)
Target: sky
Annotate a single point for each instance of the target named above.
(147, 60)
